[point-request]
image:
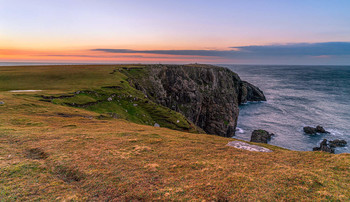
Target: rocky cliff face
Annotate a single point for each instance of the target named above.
(207, 95)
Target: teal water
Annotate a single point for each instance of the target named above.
(297, 96)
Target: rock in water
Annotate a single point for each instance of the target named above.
(337, 143)
(309, 130)
(206, 95)
(324, 147)
(312, 131)
(261, 136)
(320, 129)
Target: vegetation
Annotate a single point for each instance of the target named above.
(53, 151)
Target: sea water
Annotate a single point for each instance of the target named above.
(297, 96)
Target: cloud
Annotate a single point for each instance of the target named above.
(116, 56)
(171, 52)
(298, 49)
(237, 52)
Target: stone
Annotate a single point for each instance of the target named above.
(246, 146)
(324, 147)
(156, 125)
(2, 103)
(337, 143)
(320, 129)
(261, 136)
(110, 99)
(309, 130)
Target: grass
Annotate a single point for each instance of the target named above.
(74, 156)
(112, 97)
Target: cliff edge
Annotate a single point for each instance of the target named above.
(207, 95)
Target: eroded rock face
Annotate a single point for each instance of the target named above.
(250, 92)
(207, 95)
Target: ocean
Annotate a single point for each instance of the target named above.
(297, 96)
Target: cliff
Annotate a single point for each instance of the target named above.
(207, 95)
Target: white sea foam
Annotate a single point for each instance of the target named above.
(335, 132)
(24, 91)
(252, 102)
(239, 130)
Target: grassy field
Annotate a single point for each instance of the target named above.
(52, 151)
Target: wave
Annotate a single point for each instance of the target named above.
(239, 130)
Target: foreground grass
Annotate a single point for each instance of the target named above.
(55, 152)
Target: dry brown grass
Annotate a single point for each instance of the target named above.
(91, 159)
(54, 152)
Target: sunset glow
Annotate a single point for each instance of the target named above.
(69, 31)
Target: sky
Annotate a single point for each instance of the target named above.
(307, 32)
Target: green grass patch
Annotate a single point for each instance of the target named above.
(20, 170)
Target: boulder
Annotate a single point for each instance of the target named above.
(324, 147)
(309, 130)
(337, 143)
(312, 131)
(320, 129)
(261, 136)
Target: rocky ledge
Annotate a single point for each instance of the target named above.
(246, 146)
(207, 95)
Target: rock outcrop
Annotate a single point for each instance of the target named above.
(207, 95)
(312, 131)
(246, 146)
(251, 93)
(261, 136)
(337, 143)
(324, 147)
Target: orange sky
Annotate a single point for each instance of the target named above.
(15, 55)
(67, 31)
